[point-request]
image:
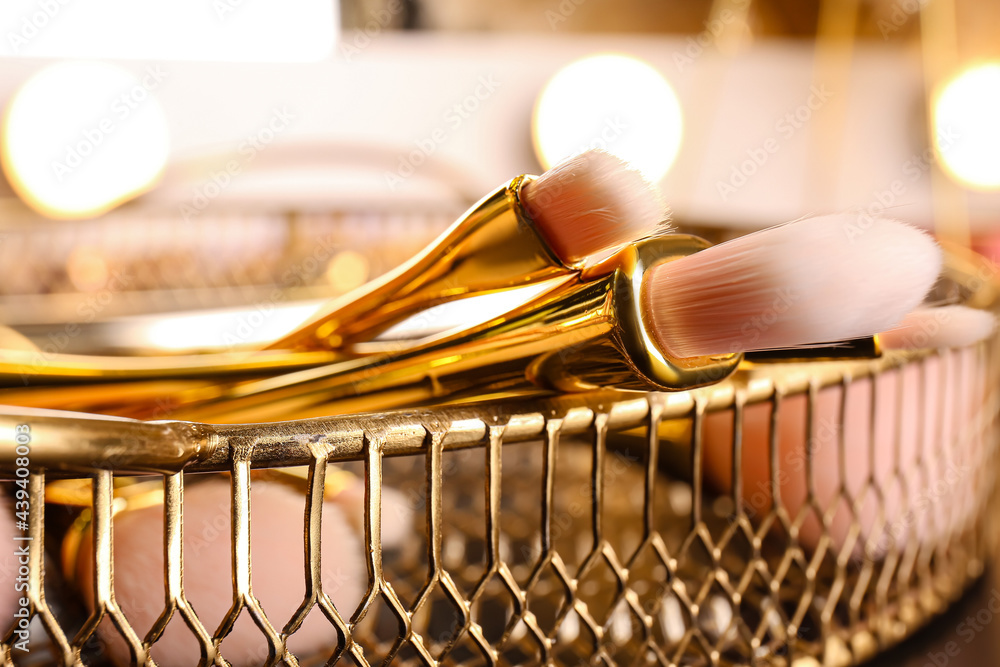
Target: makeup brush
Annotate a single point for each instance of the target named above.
(578, 335)
(830, 278)
(529, 230)
(788, 286)
(641, 326)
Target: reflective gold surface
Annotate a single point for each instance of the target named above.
(17, 367)
(577, 336)
(494, 246)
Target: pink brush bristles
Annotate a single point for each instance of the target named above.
(814, 281)
(592, 203)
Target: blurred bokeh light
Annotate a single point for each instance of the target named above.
(967, 126)
(614, 102)
(79, 138)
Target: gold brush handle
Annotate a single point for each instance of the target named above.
(575, 337)
(34, 368)
(579, 335)
(493, 247)
(495, 353)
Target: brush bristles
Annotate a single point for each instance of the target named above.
(814, 281)
(946, 326)
(592, 203)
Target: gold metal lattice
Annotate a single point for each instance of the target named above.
(602, 530)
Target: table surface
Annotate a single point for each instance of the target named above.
(967, 635)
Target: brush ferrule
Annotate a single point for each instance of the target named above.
(627, 356)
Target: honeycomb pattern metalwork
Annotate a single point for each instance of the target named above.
(594, 529)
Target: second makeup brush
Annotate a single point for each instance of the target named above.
(528, 231)
(620, 330)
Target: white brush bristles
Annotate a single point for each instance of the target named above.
(946, 326)
(813, 281)
(592, 203)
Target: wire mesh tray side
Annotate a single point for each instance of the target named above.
(602, 527)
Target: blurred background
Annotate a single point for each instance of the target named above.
(234, 163)
(262, 156)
